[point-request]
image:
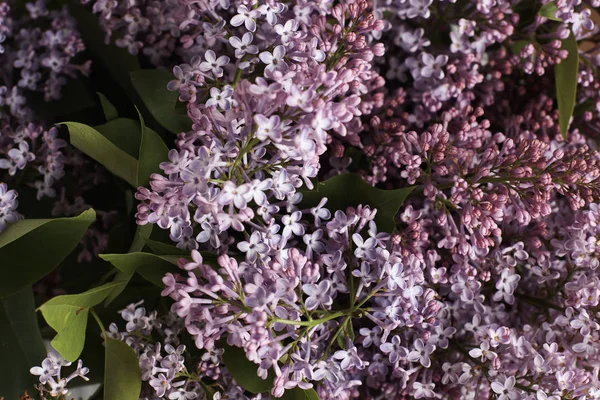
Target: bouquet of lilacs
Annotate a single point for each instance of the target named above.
(260, 199)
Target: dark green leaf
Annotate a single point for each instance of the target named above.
(122, 377)
(141, 234)
(68, 316)
(162, 249)
(299, 394)
(110, 112)
(549, 10)
(152, 152)
(349, 190)
(151, 85)
(244, 371)
(101, 149)
(566, 83)
(76, 96)
(125, 133)
(52, 240)
(150, 266)
(518, 45)
(21, 345)
(581, 108)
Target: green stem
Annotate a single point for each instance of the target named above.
(100, 324)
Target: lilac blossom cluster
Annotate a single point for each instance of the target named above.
(39, 56)
(486, 287)
(38, 51)
(168, 372)
(442, 53)
(260, 128)
(291, 304)
(51, 383)
(446, 54)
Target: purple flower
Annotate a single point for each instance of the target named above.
(421, 353)
(349, 359)
(318, 295)
(394, 350)
(253, 247)
(274, 61)
(213, 64)
(244, 45)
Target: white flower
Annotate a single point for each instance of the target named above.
(246, 17)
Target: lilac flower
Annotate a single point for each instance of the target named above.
(213, 64)
(483, 352)
(432, 67)
(233, 194)
(46, 371)
(268, 128)
(318, 295)
(275, 60)
(8, 207)
(160, 384)
(244, 45)
(505, 390)
(394, 350)
(292, 224)
(50, 375)
(253, 247)
(349, 359)
(220, 98)
(421, 353)
(246, 17)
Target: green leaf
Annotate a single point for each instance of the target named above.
(581, 108)
(31, 248)
(549, 10)
(349, 190)
(110, 112)
(244, 371)
(150, 266)
(101, 149)
(151, 85)
(68, 316)
(566, 83)
(152, 152)
(21, 345)
(122, 377)
(162, 249)
(76, 96)
(300, 394)
(517, 45)
(141, 234)
(125, 133)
